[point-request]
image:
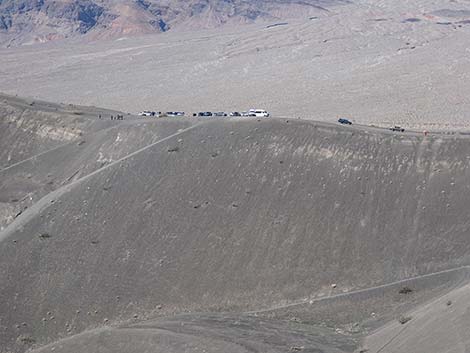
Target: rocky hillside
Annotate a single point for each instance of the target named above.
(30, 21)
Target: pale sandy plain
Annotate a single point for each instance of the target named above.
(376, 62)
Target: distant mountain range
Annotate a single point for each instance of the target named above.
(32, 21)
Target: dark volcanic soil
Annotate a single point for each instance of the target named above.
(230, 216)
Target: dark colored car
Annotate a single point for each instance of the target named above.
(344, 121)
(175, 113)
(235, 114)
(220, 114)
(397, 128)
(204, 114)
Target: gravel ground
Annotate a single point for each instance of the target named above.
(375, 62)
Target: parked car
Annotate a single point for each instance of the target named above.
(220, 114)
(245, 114)
(175, 113)
(235, 114)
(397, 128)
(204, 114)
(260, 113)
(147, 113)
(344, 121)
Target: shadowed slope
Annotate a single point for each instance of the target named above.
(29, 127)
(235, 215)
(26, 182)
(45, 146)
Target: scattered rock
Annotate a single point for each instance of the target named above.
(44, 236)
(353, 328)
(449, 303)
(296, 348)
(333, 285)
(173, 149)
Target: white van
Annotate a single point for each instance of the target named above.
(260, 113)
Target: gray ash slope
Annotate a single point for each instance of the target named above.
(234, 216)
(29, 127)
(44, 146)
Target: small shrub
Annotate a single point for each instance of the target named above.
(404, 319)
(25, 339)
(405, 290)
